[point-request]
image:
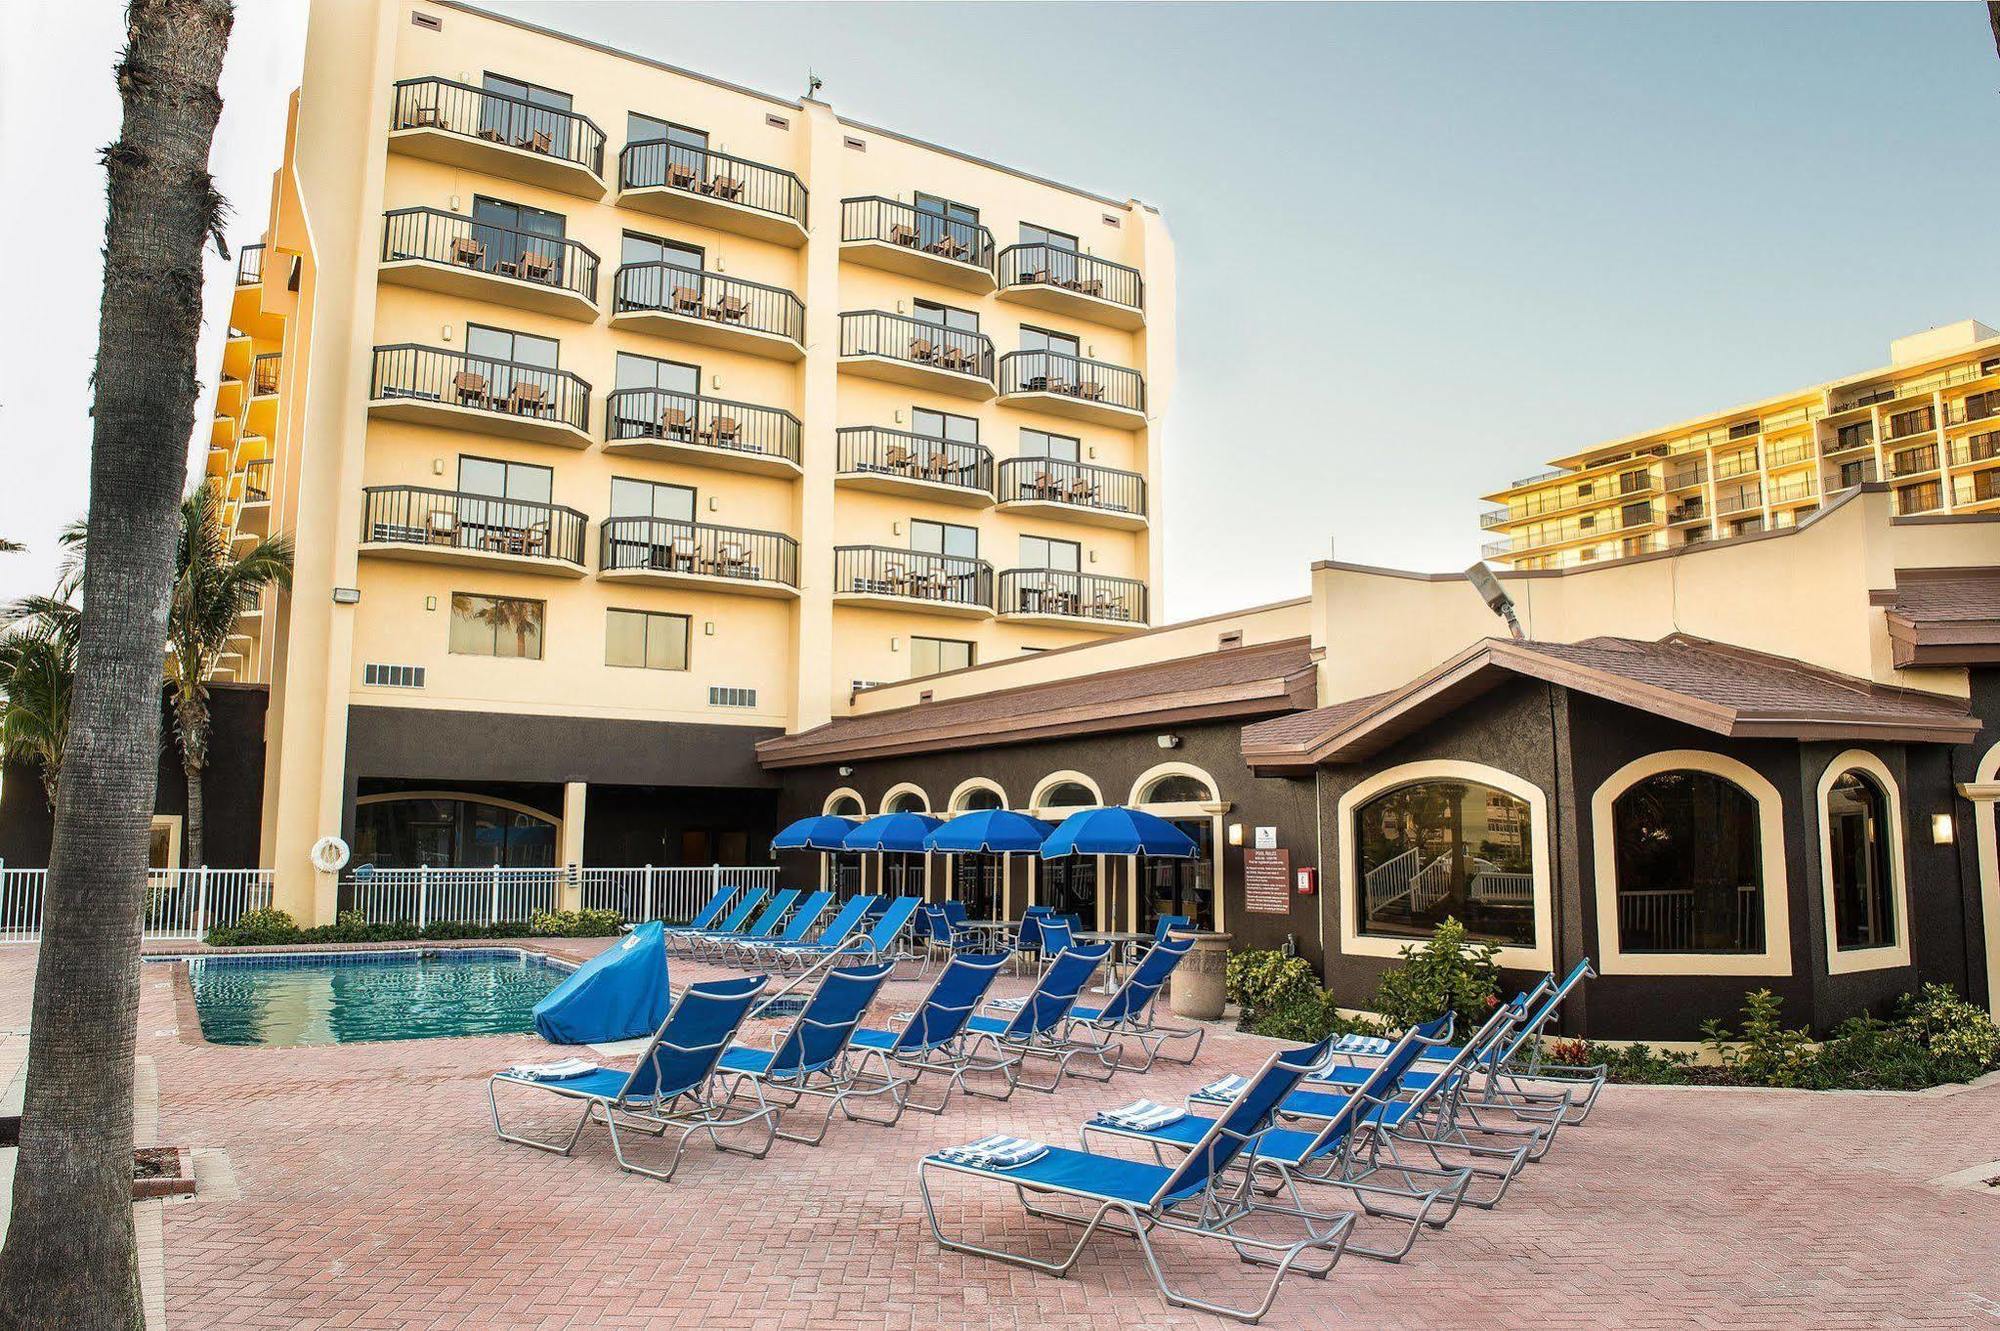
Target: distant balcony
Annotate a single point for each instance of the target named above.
(444, 252)
(1911, 425)
(696, 555)
(1075, 491)
(1913, 461)
(918, 466)
(1915, 499)
(1687, 478)
(1061, 596)
(714, 189)
(257, 482)
(1071, 386)
(432, 386)
(1975, 449)
(1850, 437)
(1083, 286)
(1791, 455)
(707, 308)
(1980, 488)
(1691, 511)
(707, 431)
(1797, 491)
(467, 127)
(471, 530)
(912, 580)
(1741, 500)
(264, 372)
(902, 350)
(1976, 407)
(250, 265)
(898, 238)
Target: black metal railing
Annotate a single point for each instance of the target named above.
(1687, 512)
(687, 418)
(264, 371)
(436, 236)
(873, 217)
(1919, 498)
(1740, 500)
(503, 387)
(1976, 407)
(1688, 476)
(879, 570)
(1913, 460)
(1975, 448)
(916, 341)
(873, 450)
(1085, 274)
(459, 108)
(694, 294)
(1055, 591)
(250, 265)
(1072, 376)
(454, 519)
(1738, 464)
(1055, 481)
(1978, 488)
(1859, 435)
(717, 175)
(257, 481)
(668, 545)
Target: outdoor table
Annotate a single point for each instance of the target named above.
(1122, 945)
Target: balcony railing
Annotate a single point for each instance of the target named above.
(1740, 464)
(721, 176)
(1788, 455)
(264, 373)
(1687, 512)
(1976, 407)
(250, 265)
(1975, 489)
(1055, 481)
(694, 294)
(667, 545)
(1919, 499)
(1072, 376)
(916, 342)
(1688, 477)
(1911, 461)
(1859, 435)
(1085, 274)
(1909, 424)
(1975, 448)
(1053, 591)
(686, 418)
(447, 238)
(1740, 501)
(877, 570)
(459, 108)
(873, 450)
(456, 520)
(481, 383)
(875, 218)
(257, 481)
(1805, 487)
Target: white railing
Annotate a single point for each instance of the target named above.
(1493, 886)
(669, 893)
(1670, 920)
(1407, 877)
(180, 903)
(425, 895)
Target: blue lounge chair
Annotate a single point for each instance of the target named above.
(1166, 924)
(1199, 1196)
(782, 952)
(735, 948)
(670, 1091)
(1058, 935)
(1028, 936)
(1129, 1011)
(706, 917)
(882, 940)
(811, 1060)
(933, 1041)
(1035, 1029)
(766, 924)
(1520, 1080)
(729, 924)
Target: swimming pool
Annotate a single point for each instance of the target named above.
(347, 997)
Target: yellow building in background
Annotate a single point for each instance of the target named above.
(624, 417)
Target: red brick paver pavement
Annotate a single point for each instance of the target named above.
(373, 1195)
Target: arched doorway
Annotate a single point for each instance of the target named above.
(1185, 797)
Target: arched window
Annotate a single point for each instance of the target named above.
(979, 797)
(1861, 843)
(1178, 789)
(908, 801)
(1069, 795)
(845, 806)
(1688, 846)
(1431, 849)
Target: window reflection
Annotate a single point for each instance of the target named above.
(1434, 849)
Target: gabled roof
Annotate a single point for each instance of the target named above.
(1727, 690)
(1943, 616)
(1239, 682)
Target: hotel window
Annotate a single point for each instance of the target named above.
(1059, 255)
(908, 801)
(1433, 849)
(543, 121)
(1635, 515)
(495, 626)
(637, 247)
(930, 656)
(1918, 421)
(1855, 435)
(645, 639)
(1861, 837)
(649, 388)
(943, 425)
(650, 129)
(938, 218)
(507, 358)
(505, 231)
(1042, 552)
(1057, 447)
(651, 499)
(1856, 473)
(944, 316)
(1069, 795)
(944, 538)
(519, 482)
(669, 376)
(1688, 849)
(1041, 339)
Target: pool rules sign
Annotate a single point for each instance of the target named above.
(1267, 877)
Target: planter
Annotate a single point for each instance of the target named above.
(1199, 985)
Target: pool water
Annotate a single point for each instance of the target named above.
(349, 997)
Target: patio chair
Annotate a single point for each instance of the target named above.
(932, 1041)
(723, 432)
(886, 936)
(1058, 934)
(956, 358)
(706, 917)
(1166, 924)
(766, 924)
(470, 389)
(682, 175)
(729, 310)
(923, 350)
(526, 399)
(670, 1091)
(811, 1058)
(442, 529)
(686, 300)
(1200, 1196)
(1035, 1030)
(468, 251)
(901, 234)
(739, 948)
(1129, 1011)
(731, 923)
(535, 266)
(675, 424)
(1518, 1079)
(788, 951)
(1028, 935)
(727, 188)
(538, 141)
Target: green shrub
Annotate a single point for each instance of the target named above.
(1767, 1053)
(1447, 974)
(1263, 981)
(575, 924)
(270, 928)
(256, 928)
(1950, 1028)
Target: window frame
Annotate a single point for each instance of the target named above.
(943, 528)
(971, 654)
(945, 311)
(1884, 956)
(645, 644)
(541, 632)
(653, 487)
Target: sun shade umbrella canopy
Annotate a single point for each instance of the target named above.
(893, 831)
(824, 831)
(990, 831)
(1117, 831)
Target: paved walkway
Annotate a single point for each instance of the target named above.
(370, 1193)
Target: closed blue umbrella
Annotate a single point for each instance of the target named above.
(1118, 831)
(894, 832)
(824, 831)
(990, 831)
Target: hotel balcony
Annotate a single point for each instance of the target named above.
(444, 252)
(688, 305)
(666, 552)
(1850, 437)
(432, 386)
(705, 431)
(260, 413)
(1074, 492)
(1973, 450)
(898, 238)
(1974, 408)
(902, 350)
(898, 462)
(1061, 596)
(1925, 498)
(471, 530)
(466, 127)
(1065, 385)
(256, 517)
(1692, 510)
(1979, 489)
(894, 579)
(1913, 462)
(1083, 286)
(250, 265)
(713, 189)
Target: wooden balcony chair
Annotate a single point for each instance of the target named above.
(470, 389)
(425, 117)
(729, 310)
(895, 580)
(947, 246)
(1090, 286)
(492, 134)
(537, 267)
(468, 251)
(680, 175)
(923, 350)
(956, 358)
(723, 432)
(536, 540)
(686, 300)
(674, 423)
(1039, 277)
(526, 399)
(684, 554)
(537, 141)
(937, 467)
(899, 458)
(442, 528)
(727, 188)
(1082, 491)
(900, 234)
(1090, 390)
(733, 561)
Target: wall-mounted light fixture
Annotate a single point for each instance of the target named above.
(1236, 834)
(347, 596)
(708, 628)
(1169, 741)
(1942, 830)
(445, 332)
(437, 466)
(895, 644)
(430, 603)
(845, 771)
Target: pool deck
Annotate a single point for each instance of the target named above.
(368, 1191)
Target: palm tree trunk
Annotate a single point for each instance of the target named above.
(193, 857)
(69, 1257)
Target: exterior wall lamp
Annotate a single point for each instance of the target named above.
(1943, 833)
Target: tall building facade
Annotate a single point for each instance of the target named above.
(623, 418)
(1928, 423)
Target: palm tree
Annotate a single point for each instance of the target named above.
(505, 614)
(69, 1258)
(8, 547)
(37, 685)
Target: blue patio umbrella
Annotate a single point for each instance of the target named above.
(903, 832)
(824, 831)
(1118, 831)
(990, 831)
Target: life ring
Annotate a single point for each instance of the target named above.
(329, 854)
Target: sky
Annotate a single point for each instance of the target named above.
(1422, 248)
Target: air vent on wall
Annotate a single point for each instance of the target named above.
(422, 20)
(1226, 641)
(723, 696)
(859, 145)
(861, 684)
(392, 676)
(777, 122)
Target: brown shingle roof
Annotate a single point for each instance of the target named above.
(1944, 616)
(1241, 682)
